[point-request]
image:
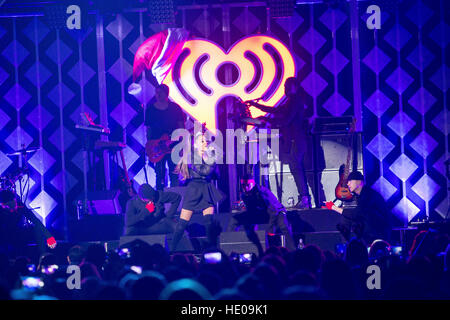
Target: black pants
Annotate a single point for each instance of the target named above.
(163, 226)
(160, 171)
(294, 157)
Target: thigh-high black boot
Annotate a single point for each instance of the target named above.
(212, 230)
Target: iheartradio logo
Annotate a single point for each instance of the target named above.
(262, 65)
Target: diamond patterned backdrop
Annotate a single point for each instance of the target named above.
(48, 77)
(405, 101)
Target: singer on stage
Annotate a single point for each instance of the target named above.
(201, 194)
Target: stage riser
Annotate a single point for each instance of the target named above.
(316, 226)
(110, 227)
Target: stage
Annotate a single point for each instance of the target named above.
(314, 226)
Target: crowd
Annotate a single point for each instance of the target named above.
(142, 271)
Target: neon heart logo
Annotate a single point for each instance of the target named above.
(263, 65)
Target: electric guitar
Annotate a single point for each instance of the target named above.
(156, 149)
(342, 192)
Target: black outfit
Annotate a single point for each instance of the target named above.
(370, 220)
(289, 117)
(139, 221)
(14, 233)
(200, 193)
(263, 207)
(164, 122)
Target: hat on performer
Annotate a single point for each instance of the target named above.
(355, 175)
(147, 192)
(157, 54)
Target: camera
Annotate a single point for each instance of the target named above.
(397, 251)
(31, 268)
(32, 283)
(212, 257)
(124, 253)
(136, 269)
(51, 269)
(245, 258)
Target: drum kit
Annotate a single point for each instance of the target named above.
(9, 195)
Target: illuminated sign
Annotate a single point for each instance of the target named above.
(263, 64)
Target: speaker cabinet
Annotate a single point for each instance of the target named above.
(185, 244)
(317, 220)
(238, 242)
(150, 239)
(332, 150)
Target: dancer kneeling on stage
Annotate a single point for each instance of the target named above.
(201, 194)
(261, 207)
(145, 212)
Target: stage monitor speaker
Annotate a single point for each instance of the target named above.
(317, 220)
(150, 239)
(238, 242)
(106, 245)
(185, 244)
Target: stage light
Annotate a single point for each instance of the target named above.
(281, 8)
(161, 11)
(55, 15)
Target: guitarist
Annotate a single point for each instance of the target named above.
(290, 118)
(162, 117)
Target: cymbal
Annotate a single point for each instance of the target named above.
(23, 151)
